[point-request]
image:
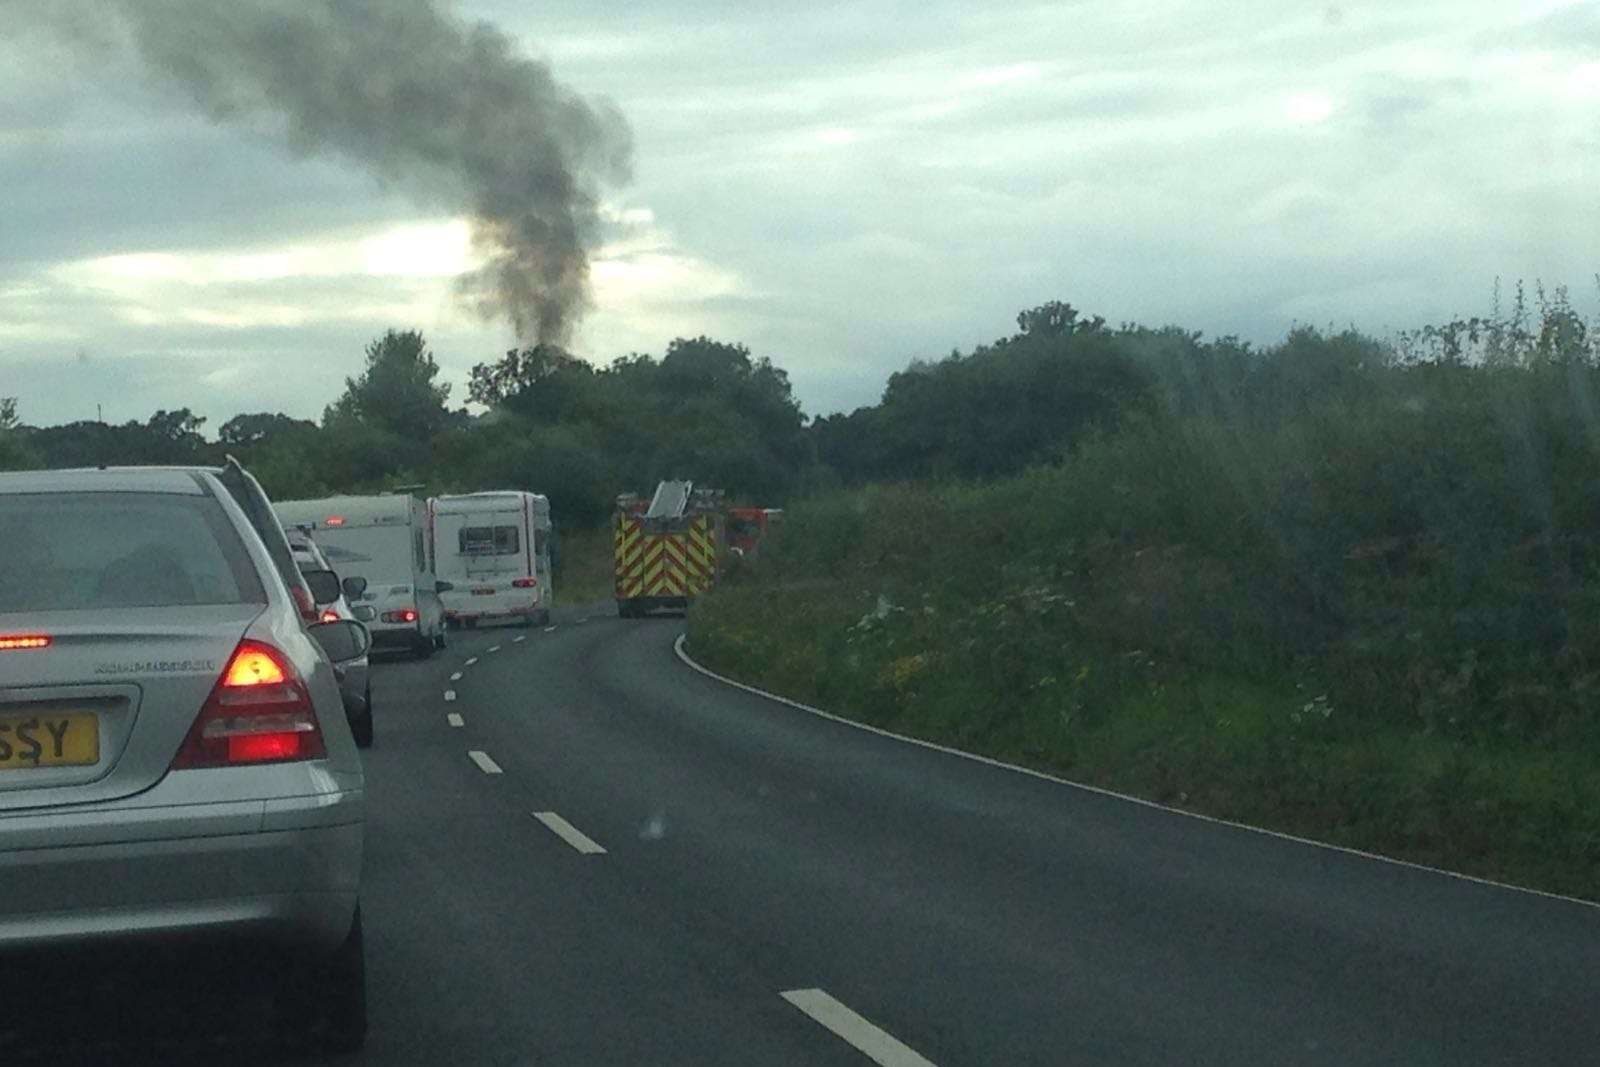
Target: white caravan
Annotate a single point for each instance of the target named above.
(386, 540)
(494, 550)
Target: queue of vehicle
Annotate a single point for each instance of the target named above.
(184, 687)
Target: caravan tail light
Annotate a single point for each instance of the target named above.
(525, 583)
(404, 615)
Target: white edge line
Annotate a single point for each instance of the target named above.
(456, 677)
(569, 833)
(873, 1041)
(470, 662)
(678, 647)
(485, 764)
(455, 720)
(449, 695)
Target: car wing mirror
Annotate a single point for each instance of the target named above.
(324, 585)
(343, 640)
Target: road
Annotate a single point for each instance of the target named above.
(613, 859)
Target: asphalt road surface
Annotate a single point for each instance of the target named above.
(580, 851)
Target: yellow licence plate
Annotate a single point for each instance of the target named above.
(49, 739)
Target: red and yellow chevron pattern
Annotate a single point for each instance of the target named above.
(679, 563)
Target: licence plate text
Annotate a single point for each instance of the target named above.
(49, 739)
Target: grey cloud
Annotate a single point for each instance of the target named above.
(200, 189)
(1576, 26)
(421, 99)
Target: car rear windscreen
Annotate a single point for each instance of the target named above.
(87, 551)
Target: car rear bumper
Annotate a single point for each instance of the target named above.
(398, 637)
(189, 872)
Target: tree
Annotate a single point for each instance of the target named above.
(14, 451)
(396, 392)
(545, 383)
(248, 431)
(1055, 319)
(518, 371)
(175, 431)
(1021, 400)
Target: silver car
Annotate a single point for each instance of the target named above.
(174, 755)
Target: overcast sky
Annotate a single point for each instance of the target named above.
(841, 187)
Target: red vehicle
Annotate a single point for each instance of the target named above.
(747, 528)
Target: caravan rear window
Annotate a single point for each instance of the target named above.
(490, 540)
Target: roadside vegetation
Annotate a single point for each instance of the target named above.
(584, 570)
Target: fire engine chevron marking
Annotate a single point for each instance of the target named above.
(674, 550)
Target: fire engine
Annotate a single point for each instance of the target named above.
(670, 550)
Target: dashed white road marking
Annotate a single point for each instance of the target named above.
(519, 638)
(455, 720)
(583, 620)
(549, 629)
(876, 1044)
(470, 662)
(456, 677)
(494, 648)
(449, 695)
(485, 764)
(569, 833)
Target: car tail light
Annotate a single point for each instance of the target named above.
(15, 642)
(258, 712)
(329, 615)
(525, 583)
(404, 615)
(304, 603)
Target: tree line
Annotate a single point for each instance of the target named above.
(712, 411)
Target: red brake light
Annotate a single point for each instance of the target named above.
(404, 615)
(329, 615)
(525, 583)
(333, 520)
(260, 748)
(258, 712)
(11, 642)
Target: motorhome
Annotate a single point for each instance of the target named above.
(494, 549)
(386, 540)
